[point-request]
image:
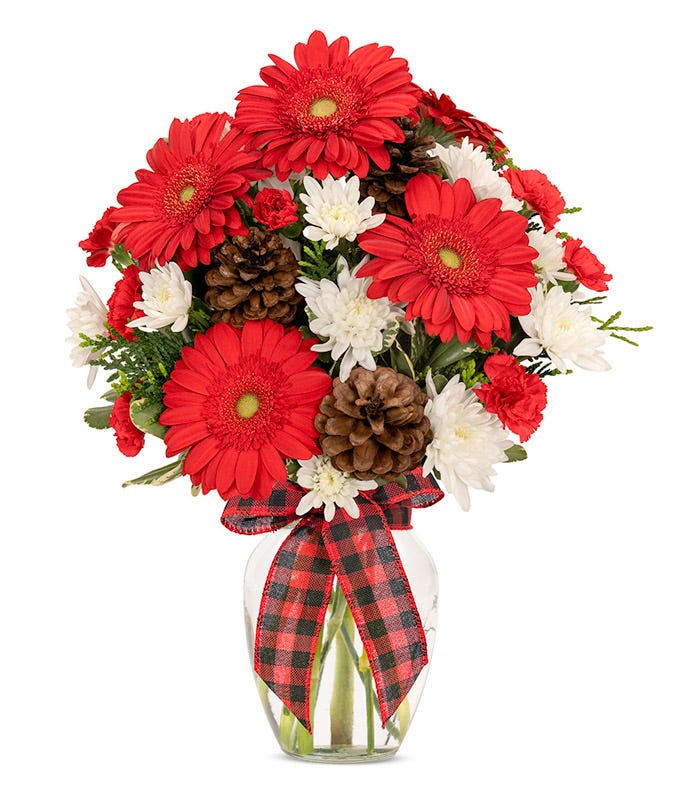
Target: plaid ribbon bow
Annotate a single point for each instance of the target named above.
(361, 553)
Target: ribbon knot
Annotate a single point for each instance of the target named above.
(361, 554)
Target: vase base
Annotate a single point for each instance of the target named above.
(344, 755)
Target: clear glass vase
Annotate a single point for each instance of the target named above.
(346, 723)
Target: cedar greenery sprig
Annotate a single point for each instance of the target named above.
(140, 366)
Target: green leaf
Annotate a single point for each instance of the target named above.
(400, 361)
(159, 476)
(389, 336)
(439, 382)
(99, 417)
(437, 131)
(292, 231)
(515, 452)
(121, 258)
(446, 353)
(110, 396)
(144, 416)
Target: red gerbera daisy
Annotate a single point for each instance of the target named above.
(98, 244)
(538, 191)
(458, 122)
(126, 291)
(462, 265)
(516, 396)
(241, 401)
(331, 114)
(184, 206)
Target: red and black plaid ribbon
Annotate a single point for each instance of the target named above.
(361, 553)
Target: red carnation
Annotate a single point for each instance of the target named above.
(458, 122)
(98, 244)
(516, 396)
(332, 112)
(462, 265)
(186, 204)
(241, 401)
(130, 439)
(585, 265)
(126, 291)
(275, 208)
(539, 193)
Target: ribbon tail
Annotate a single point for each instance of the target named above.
(292, 612)
(365, 560)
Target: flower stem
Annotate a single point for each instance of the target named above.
(342, 699)
(367, 678)
(286, 729)
(306, 739)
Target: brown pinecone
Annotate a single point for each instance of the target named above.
(252, 278)
(406, 159)
(374, 425)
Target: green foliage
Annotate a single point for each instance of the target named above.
(422, 345)
(446, 353)
(159, 476)
(543, 367)
(141, 366)
(199, 316)
(571, 210)
(430, 127)
(317, 263)
(515, 452)
(470, 370)
(499, 156)
(121, 258)
(144, 416)
(615, 330)
(99, 418)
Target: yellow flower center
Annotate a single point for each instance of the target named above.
(321, 108)
(247, 405)
(450, 258)
(187, 193)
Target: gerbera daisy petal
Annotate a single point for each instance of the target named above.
(315, 114)
(238, 411)
(169, 208)
(461, 264)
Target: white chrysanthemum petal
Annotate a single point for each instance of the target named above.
(351, 322)
(549, 262)
(470, 162)
(329, 487)
(563, 329)
(468, 441)
(334, 212)
(86, 317)
(166, 299)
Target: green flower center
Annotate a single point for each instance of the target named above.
(450, 258)
(187, 193)
(247, 405)
(321, 108)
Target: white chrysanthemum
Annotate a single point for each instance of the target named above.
(549, 262)
(334, 212)
(351, 322)
(563, 329)
(468, 440)
(166, 299)
(329, 487)
(470, 162)
(86, 317)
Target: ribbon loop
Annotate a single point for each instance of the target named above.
(362, 554)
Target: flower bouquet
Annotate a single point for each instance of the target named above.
(329, 304)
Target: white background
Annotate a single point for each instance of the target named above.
(122, 655)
